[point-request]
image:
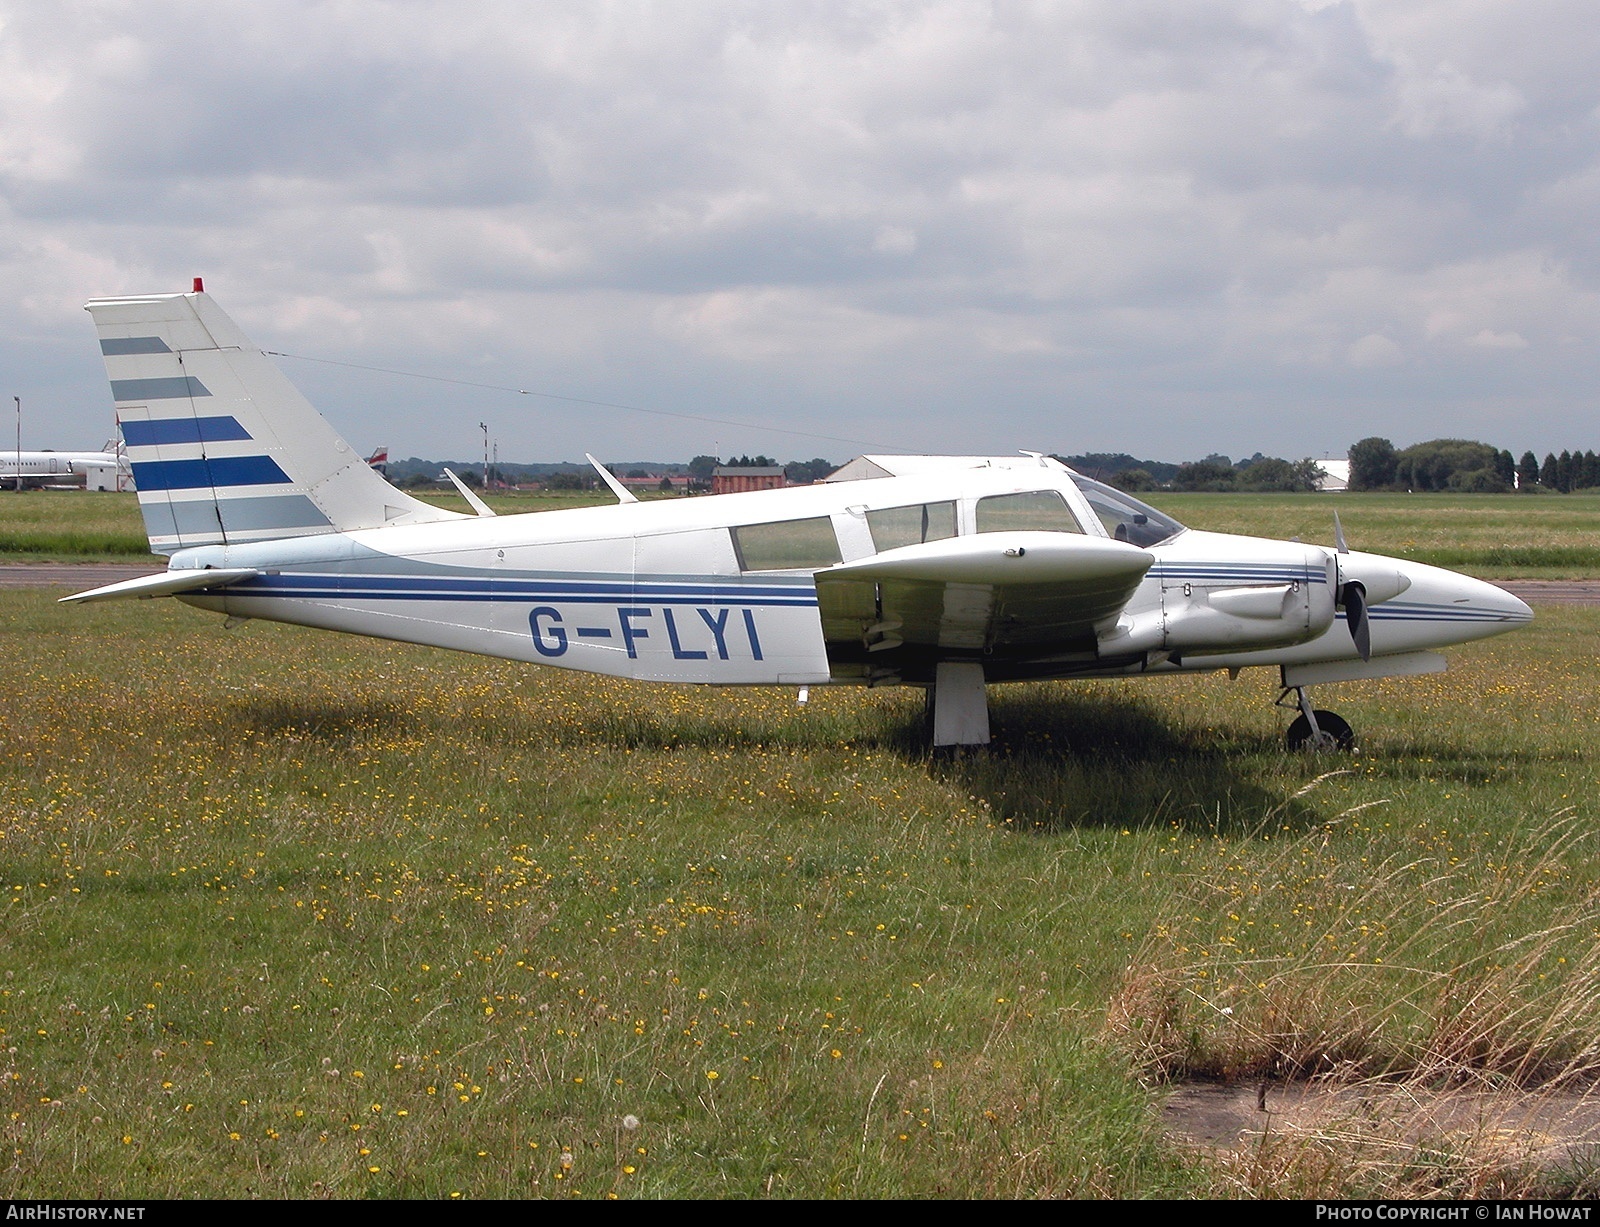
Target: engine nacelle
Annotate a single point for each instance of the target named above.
(1283, 594)
(1382, 579)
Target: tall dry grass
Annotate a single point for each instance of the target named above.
(1432, 1041)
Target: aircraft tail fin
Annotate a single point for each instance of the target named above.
(224, 448)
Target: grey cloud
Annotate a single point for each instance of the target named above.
(1204, 223)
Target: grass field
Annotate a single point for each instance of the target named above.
(295, 915)
(70, 526)
(1491, 536)
(73, 526)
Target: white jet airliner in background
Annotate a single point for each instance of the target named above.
(966, 573)
(49, 468)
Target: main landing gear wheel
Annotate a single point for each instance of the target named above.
(1333, 732)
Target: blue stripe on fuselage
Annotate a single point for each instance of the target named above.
(1241, 573)
(1434, 613)
(487, 588)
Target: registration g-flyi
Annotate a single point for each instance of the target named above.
(945, 573)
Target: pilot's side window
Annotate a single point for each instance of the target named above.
(1035, 510)
(789, 545)
(893, 527)
(1125, 517)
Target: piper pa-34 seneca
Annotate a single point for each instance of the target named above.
(952, 575)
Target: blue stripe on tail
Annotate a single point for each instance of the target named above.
(160, 431)
(221, 471)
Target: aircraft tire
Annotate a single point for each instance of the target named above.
(1336, 733)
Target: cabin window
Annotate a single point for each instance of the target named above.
(1125, 517)
(1035, 510)
(790, 545)
(893, 527)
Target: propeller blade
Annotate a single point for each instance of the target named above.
(1355, 616)
(1338, 535)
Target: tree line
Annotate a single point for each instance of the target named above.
(1467, 466)
(1456, 465)
(1216, 473)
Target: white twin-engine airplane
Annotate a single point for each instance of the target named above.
(967, 572)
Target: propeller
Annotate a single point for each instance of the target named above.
(1352, 594)
(1354, 599)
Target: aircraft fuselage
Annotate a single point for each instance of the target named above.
(656, 591)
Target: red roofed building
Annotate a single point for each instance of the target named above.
(726, 480)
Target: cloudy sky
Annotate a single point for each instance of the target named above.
(1166, 228)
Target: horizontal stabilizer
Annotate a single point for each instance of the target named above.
(167, 583)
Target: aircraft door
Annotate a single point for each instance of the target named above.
(695, 617)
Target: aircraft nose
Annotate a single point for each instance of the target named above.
(1456, 607)
(1508, 607)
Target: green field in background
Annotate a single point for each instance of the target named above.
(1490, 536)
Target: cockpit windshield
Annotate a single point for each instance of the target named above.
(1125, 517)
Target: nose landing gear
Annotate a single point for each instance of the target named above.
(1313, 729)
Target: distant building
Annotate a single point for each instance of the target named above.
(737, 480)
(1338, 475)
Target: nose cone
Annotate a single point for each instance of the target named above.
(1446, 607)
(1512, 610)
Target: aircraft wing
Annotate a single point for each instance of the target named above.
(1011, 593)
